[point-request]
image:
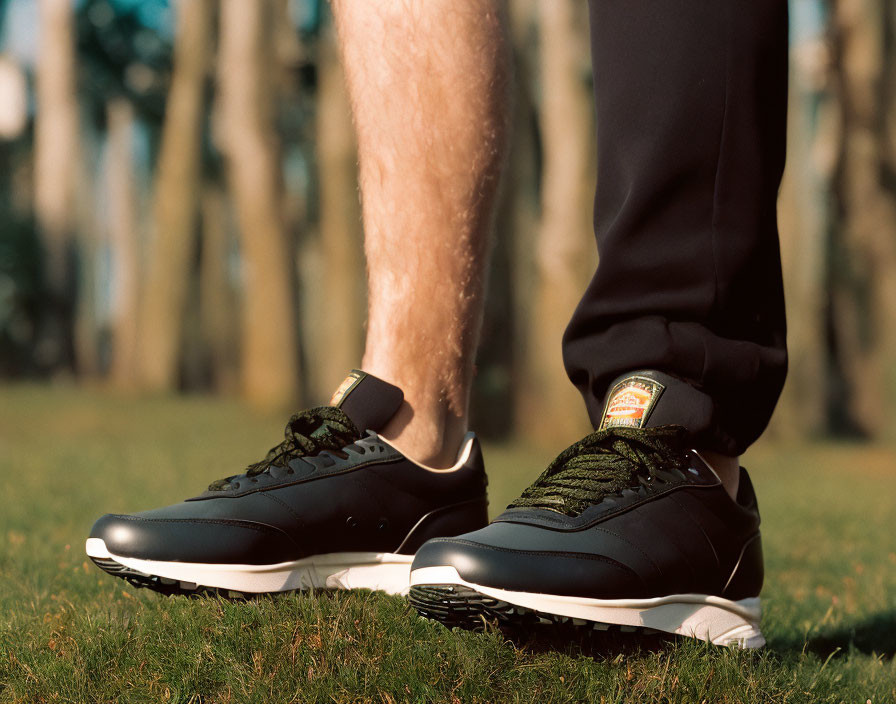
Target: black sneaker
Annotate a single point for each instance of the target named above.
(329, 507)
(627, 528)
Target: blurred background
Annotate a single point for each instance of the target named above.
(158, 158)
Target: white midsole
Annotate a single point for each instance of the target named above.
(387, 572)
(712, 618)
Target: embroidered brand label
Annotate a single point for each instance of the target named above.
(630, 402)
(345, 388)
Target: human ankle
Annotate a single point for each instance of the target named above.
(430, 424)
(726, 467)
(430, 438)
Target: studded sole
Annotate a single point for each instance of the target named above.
(376, 571)
(438, 593)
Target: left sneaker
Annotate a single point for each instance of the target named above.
(628, 528)
(333, 506)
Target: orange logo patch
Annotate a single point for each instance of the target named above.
(630, 402)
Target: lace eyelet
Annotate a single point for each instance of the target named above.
(351, 522)
(383, 524)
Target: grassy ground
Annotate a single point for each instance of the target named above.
(70, 633)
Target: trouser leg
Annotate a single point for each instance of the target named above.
(691, 111)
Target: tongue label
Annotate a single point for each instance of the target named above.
(630, 403)
(345, 388)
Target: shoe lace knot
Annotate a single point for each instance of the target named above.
(605, 463)
(307, 433)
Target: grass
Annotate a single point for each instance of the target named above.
(70, 633)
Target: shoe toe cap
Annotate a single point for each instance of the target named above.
(193, 540)
(529, 568)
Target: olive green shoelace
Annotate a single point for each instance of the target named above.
(602, 464)
(307, 433)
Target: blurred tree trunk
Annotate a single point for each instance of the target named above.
(124, 235)
(89, 299)
(863, 251)
(176, 200)
(802, 410)
(887, 127)
(502, 363)
(549, 406)
(218, 304)
(339, 338)
(56, 156)
(270, 352)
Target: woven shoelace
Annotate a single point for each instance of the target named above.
(307, 433)
(604, 463)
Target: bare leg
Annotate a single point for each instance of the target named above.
(428, 84)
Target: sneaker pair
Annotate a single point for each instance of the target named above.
(628, 527)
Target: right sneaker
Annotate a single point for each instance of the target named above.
(627, 529)
(332, 506)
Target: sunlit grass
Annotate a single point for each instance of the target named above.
(68, 632)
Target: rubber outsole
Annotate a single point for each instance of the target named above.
(462, 607)
(457, 603)
(167, 587)
(381, 572)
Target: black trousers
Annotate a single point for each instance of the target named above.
(691, 111)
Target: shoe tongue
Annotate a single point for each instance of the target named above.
(648, 398)
(369, 402)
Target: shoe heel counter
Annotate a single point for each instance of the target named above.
(446, 522)
(748, 573)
